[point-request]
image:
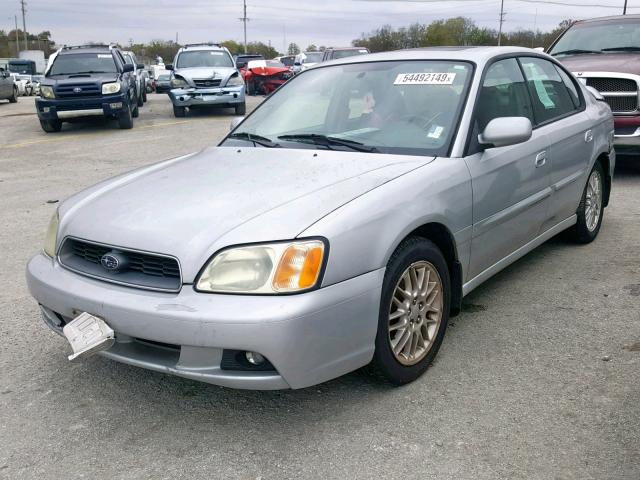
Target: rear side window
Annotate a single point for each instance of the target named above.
(551, 97)
(503, 94)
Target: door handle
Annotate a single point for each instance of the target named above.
(588, 136)
(541, 159)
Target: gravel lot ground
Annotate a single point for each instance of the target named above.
(539, 378)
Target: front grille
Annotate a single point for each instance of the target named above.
(68, 90)
(140, 269)
(77, 106)
(622, 104)
(207, 83)
(612, 84)
(620, 93)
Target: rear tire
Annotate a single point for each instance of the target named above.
(51, 126)
(591, 209)
(125, 120)
(144, 94)
(241, 109)
(414, 311)
(179, 112)
(139, 98)
(136, 111)
(14, 99)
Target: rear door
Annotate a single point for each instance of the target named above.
(559, 111)
(511, 185)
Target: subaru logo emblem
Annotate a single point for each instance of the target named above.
(77, 89)
(110, 262)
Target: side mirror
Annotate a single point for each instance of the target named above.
(168, 67)
(128, 67)
(595, 93)
(140, 66)
(235, 122)
(505, 131)
(539, 49)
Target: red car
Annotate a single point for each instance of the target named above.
(265, 76)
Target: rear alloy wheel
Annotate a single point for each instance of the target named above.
(51, 126)
(591, 209)
(414, 311)
(179, 112)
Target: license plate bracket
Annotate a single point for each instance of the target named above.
(88, 335)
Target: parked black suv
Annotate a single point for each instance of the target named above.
(87, 81)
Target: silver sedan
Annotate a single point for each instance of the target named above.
(339, 225)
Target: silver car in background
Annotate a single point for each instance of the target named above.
(339, 225)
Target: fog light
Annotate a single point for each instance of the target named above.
(46, 109)
(115, 106)
(254, 358)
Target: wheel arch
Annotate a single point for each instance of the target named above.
(439, 234)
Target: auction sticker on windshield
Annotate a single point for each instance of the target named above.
(425, 79)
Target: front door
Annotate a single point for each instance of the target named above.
(511, 185)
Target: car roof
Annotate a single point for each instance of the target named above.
(203, 46)
(479, 55)
(609, 18)
(71, 51)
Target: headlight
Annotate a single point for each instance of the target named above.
(51, 236)
(178, 83)
(108, 88)
(235, 81)
(46, 91)
(270, 268)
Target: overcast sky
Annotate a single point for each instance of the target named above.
(328, 22)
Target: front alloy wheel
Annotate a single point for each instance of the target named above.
(415, 312)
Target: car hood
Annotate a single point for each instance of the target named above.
(192, 206)
(606, 62)
(205, 72)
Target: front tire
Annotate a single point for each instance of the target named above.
(591, 209)
(241, 109)
(179, 112)
(144, 94)
(14, 99)
(414, 311)
(51, 126)
(125, 120)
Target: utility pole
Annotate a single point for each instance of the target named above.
(244, 20)
(501, 22)
(15, 17)
(24, 24)
(624, 11)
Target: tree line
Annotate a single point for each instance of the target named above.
(9, 42)
(453, 31)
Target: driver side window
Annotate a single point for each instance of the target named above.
(503, 94)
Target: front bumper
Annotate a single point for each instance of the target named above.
(191, 97)
(309, 338)
(627, 134)
(62, 109)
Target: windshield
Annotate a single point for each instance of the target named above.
(313, 57)
(288, 61)
(76, 63)
(400, 107)
(204, 58)
(348, 53)
(607, 36)
(19, 67)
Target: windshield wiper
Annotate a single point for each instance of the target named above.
(328, 141)
(252, 137)
(621, 49)
(89, 71)
(574, 51)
